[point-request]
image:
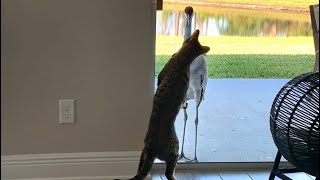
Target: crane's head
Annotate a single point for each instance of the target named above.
(188, 13)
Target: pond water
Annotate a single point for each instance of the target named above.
(235, 22)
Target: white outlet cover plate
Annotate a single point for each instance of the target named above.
(67, 111)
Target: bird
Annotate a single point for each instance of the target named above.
(197, 86)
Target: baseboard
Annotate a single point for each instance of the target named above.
(100, 166)
(75, 166)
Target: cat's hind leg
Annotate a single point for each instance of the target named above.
(145, 167)
(171, 165)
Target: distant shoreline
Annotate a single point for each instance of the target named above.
(240, 6)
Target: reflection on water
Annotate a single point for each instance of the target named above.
(233, 23)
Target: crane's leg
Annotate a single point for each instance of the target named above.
(196, 122)
(184, 133)
(196, 142)
(198, 98)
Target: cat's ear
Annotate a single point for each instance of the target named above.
(205, 49)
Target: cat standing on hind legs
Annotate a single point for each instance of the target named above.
(161, 140)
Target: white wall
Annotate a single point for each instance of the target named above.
(98, 52)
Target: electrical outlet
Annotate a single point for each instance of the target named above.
(66, 111)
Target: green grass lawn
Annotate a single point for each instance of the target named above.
(247, 57)
(252, 66)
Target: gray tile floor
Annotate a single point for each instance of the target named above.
(227, 175)
(233, 121)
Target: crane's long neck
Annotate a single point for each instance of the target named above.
(187, 32)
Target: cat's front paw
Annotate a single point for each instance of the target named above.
(148, 177)
(184, 105)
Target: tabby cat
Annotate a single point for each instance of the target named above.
(161, 140)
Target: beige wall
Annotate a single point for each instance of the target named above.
(98, 52)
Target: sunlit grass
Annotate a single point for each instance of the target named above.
(167, 45)
(247, 57)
